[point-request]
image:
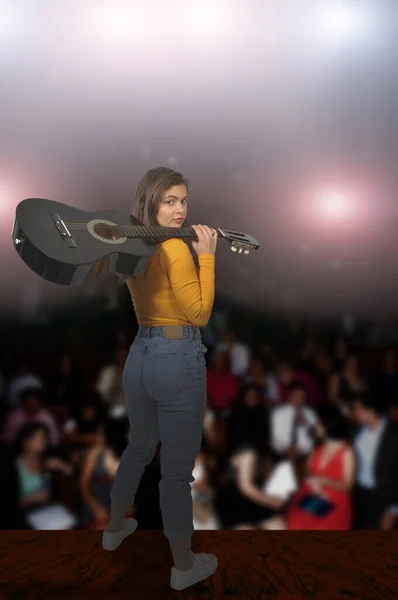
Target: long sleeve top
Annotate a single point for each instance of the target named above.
(173, 291)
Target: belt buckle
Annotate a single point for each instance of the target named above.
(173, 332)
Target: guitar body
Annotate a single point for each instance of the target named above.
(81, 256)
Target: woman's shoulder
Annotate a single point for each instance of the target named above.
(173, 249)
(172, 245)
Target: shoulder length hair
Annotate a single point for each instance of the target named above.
(150, 191)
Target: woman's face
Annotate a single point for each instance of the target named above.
(173, 207)
(37, 443)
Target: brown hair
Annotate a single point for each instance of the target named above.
(150, 190)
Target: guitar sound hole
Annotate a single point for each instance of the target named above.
(108, 232)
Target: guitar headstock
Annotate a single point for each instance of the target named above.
(240, 242)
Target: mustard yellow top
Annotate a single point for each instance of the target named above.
(173, 290)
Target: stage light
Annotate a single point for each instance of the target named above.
(119, 23)
(204, 18)
(339, 20)
(334, 205)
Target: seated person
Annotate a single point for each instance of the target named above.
(330, 477)
(291, 425)
(240, 502)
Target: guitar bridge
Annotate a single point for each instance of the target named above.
(63, 230)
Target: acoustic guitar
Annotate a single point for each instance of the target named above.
(69, 246)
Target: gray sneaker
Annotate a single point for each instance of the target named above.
(203, 566)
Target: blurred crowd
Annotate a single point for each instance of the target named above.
(326, 408)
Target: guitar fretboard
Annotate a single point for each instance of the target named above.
(143, 231)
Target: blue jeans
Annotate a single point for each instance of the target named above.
(165, 390)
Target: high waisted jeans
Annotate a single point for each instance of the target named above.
(165, 391)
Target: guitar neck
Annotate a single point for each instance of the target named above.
(138, 231)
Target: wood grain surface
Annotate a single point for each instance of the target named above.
(253, 565)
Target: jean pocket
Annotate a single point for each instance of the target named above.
(171, 371)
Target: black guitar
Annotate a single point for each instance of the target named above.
(69, 246)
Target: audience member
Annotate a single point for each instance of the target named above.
(30, 411)
(35, 467)
(98, 470)
(346, 383)
(257, 375)
(376, 445)
(23, 379)
(384, 383)
(341, 353)
(110, 383)
(222, 385)
(239, 354)
(330, 477)
(82, 433)
(65, 385)
(291, 424)
(249, 420)
(286, 374)
(240, 501)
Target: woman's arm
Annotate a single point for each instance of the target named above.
(194, 295)
(35, 498)
(246, 468)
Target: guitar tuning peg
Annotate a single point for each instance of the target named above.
(233, 248)
(240, 250)
(247, 251)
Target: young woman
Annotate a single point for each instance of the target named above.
(165, 374)
(330, 477)
(34, 467)
(96, 478)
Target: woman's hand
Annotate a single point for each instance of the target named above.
(316, 484)
(56, 464)
(207, 240)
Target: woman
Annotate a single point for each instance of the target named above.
(96, 479)
(330, 478)
(222, 385)
(249, 420)
(81, 434)
(165, 373)
(257, 375)
(345, 384)
(34, 467)
(240, 501)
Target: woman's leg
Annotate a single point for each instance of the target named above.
(177, 380)
(143, 440)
